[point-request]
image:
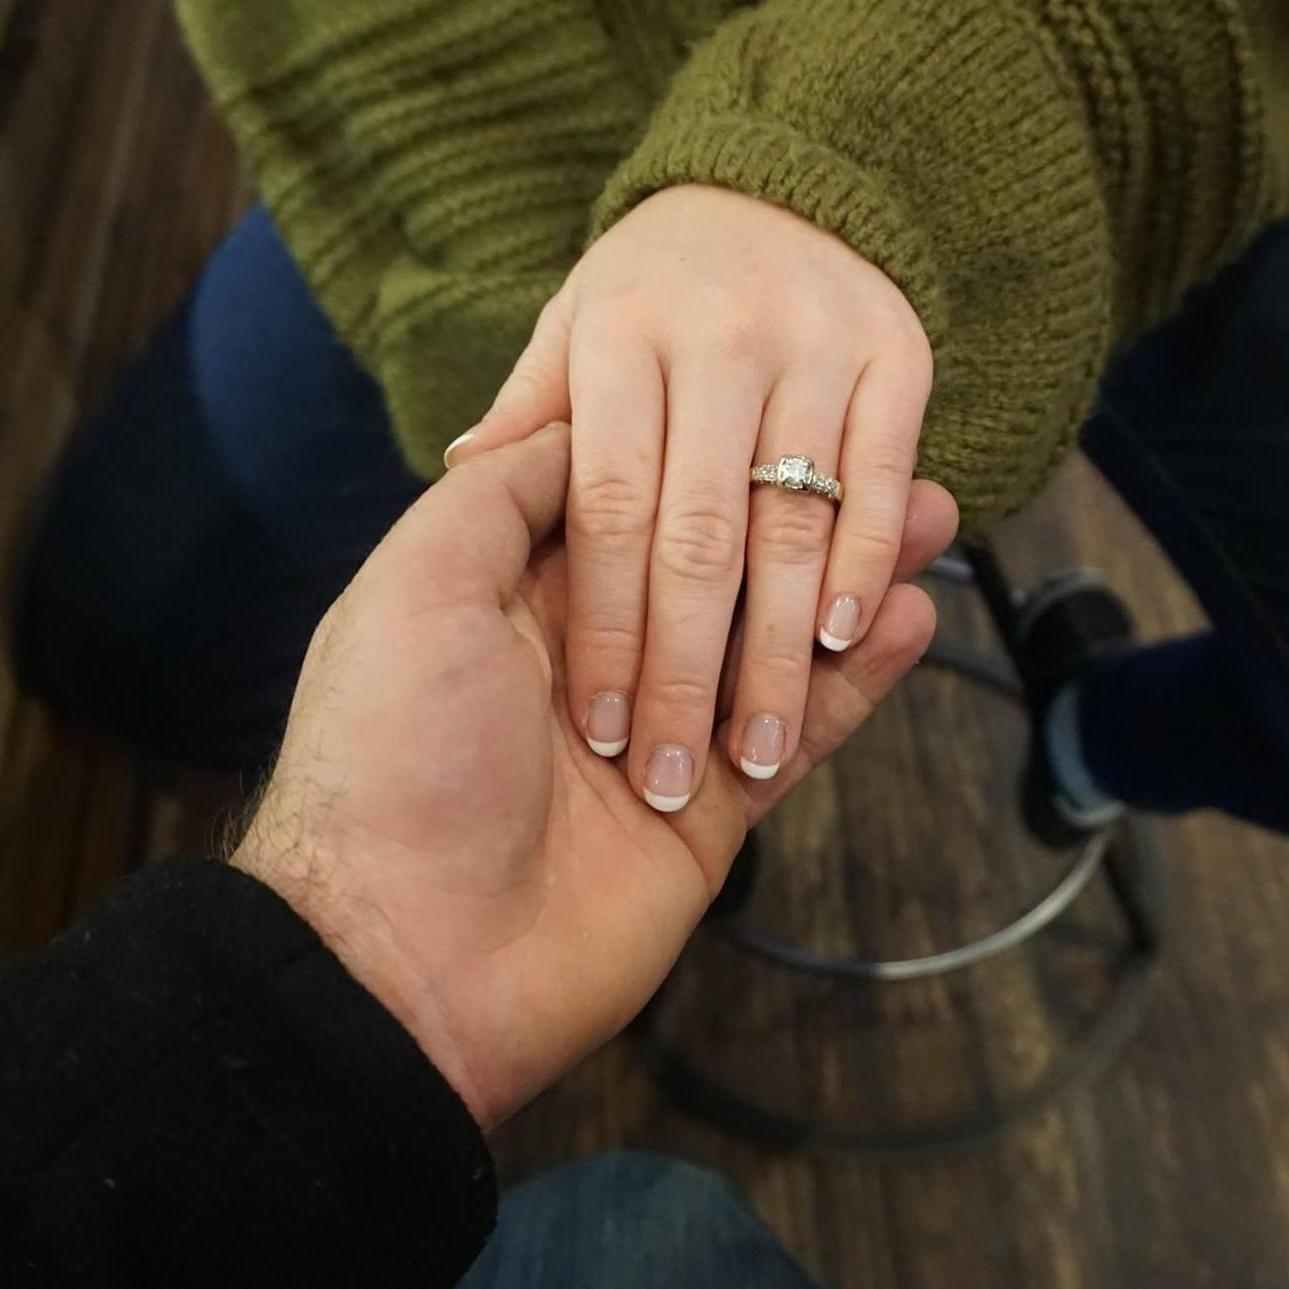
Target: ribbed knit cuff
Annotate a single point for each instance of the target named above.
(993, 159)
(938, 139)
(771, 160)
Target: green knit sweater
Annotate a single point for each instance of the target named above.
(1041, 177)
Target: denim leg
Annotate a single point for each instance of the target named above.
(1193, 431)
(631, 1221)
(1183, 725)
(201, 523)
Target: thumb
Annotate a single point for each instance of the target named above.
(475, 530)
(534, 394)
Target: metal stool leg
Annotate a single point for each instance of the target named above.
(1135, 878)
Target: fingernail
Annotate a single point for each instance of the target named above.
(762, 747)
(608, 723)
(840, 623)
(669, 779)
(458, 442)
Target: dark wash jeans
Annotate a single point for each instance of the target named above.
(207, 516)
(631, 1221)
(1193, 431)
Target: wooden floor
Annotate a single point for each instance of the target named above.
(1172, 1170)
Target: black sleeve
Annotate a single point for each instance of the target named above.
(193, 1091)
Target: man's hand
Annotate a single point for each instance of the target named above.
(441, 822)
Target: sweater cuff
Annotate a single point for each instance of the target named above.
(205, 1088)
(1011, 183)
(939, 141)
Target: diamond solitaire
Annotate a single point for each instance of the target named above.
(796, 472)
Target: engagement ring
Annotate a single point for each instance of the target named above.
(797, 474)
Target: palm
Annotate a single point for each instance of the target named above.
(485, 850)
(576, 873)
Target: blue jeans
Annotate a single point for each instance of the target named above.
(631, 1221)
(202, 522)
(212, 510)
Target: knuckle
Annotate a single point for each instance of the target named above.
(731, 326)
(701, 544)
(796, 534)
(609, 508)
(872, 545)
(527, 380)
(888, 459)
(682, 693)
(619, 313)
(815, 322)
(606, 636)
(780, 658)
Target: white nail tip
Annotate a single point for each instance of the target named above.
(666, 805)
(832, 642)
(609, 750)
(754, 771)
(459, 441)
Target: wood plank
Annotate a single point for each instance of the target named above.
(110, 208)
(116, 179)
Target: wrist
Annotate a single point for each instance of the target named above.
(305, 868)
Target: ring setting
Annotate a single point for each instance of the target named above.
(798, 474)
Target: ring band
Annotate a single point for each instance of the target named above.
(797, 474)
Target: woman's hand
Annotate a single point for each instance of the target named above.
(706, 332)
(439, 820)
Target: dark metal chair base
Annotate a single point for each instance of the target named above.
(1135, 878)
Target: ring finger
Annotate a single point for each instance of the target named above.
(787, 552)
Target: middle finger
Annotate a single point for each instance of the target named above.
(696, 566)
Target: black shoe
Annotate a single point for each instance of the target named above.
(1063, 627)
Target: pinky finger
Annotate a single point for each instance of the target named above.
(879, 452)
(845, 688)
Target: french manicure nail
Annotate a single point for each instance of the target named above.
(608, 723)
(840, 624)
(459, 442)
(669, 778)
(762, 752)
